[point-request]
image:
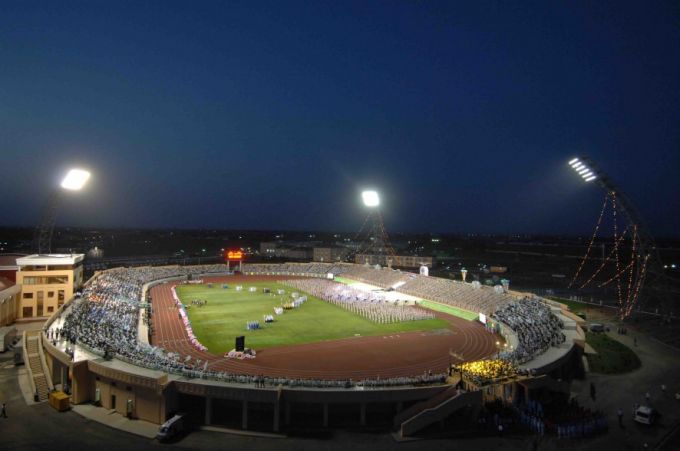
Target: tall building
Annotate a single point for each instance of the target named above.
(47, 281)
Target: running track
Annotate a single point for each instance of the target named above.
(405, 354)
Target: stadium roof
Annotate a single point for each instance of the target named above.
(50, 259)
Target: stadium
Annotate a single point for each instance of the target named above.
(358, 345)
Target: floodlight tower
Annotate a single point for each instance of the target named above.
(373, 235)
(74, 180)
(644, 268)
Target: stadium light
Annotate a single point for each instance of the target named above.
(582, 169)
(75, 179)
(370, 198)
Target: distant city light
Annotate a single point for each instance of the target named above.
(370, 198)
(75, 179)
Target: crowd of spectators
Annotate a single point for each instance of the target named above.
(537, 328)
(293, 269)
(370, 305)
(104, 320)
(472, 297)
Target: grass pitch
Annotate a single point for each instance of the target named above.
(227, 311)
(449, 309)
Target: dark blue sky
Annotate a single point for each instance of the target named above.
(274, 115)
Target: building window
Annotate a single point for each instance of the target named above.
(61, 295)
(28, 295)
(50, 309)
(50, 294)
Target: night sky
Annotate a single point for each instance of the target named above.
(275, 115)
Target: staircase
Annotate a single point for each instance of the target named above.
(37, 371)
(440, 406)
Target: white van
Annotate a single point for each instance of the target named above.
(644, 415)
(171, 428)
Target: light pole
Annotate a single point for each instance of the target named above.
(74, 180)
(376, 241)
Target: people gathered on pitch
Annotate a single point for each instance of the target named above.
(367, 304)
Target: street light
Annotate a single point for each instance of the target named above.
(74, 180)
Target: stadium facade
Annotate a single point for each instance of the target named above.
(132, 388)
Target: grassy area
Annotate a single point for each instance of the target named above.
(612, 356)
(344, 280)
(465, 314)
(574, 307)
(227, 311)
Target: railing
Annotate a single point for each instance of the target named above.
(43, 362)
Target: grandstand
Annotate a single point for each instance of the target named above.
(111, 320)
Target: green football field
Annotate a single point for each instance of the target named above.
(227, 312)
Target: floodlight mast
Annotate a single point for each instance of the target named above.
(624, 203)
(373, 234)
(650, 271)
(74, 180)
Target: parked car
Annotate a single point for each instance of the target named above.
(173, 428)
(597, 327)
(644, 415)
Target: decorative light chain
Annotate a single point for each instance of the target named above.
(592, 240)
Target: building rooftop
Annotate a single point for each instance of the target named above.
(5, 283)
(50, 259)
(10, 260)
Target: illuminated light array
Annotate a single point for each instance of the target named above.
(75, 179)
(582, 169)
(592, 240)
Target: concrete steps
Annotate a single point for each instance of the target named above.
(35, 363)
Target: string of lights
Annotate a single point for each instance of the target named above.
(629, 290)
(639, 284)
(616, 250)
(604, 262)
(616, 276)
(592, 240)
